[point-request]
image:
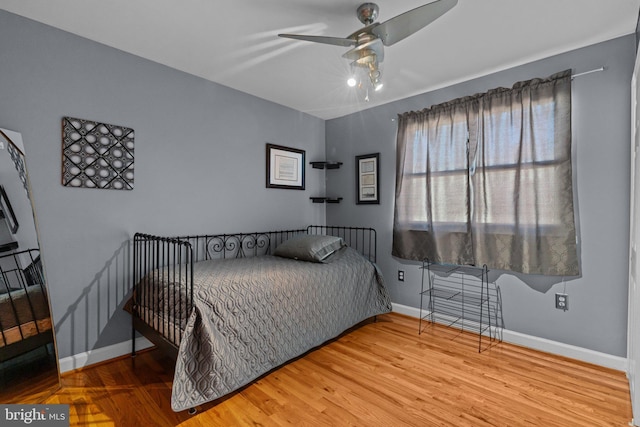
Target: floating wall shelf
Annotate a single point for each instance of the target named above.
(326, 199)
(325, 165)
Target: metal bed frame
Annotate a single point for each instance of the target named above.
(174, 257)
(14, 279)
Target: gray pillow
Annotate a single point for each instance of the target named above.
(314, 248)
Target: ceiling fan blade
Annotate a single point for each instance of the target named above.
(402, 26)
(337, 41)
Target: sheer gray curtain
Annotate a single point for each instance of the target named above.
(487, 179)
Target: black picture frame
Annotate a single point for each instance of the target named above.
(285, 167)
(368, 179)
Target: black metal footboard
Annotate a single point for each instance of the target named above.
(158, 311)
(163, 272)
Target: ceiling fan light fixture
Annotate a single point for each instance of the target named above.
(375, 77)
(368, 43)
(377, 84)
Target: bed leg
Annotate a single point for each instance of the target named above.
(133, 338)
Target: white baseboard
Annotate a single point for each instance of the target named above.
(102, 354)
(91, 357)
(542, 344)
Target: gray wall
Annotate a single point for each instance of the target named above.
(597, 317)
(199, 165)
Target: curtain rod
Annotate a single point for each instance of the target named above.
(573, 76)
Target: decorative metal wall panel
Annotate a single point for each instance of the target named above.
(96, 155)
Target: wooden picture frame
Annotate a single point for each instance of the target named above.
(368, 179)
(285, 167)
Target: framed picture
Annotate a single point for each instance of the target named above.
(367, 179)
(97, 155)
(285, 167)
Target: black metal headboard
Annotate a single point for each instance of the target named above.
(242, 245)
(237, 245)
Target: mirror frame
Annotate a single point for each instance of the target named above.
(26, 383)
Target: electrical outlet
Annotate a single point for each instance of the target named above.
(400, 276)
(562, 302)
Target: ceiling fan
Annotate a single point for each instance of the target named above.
(369, 41)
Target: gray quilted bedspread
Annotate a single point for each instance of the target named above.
(253, 314)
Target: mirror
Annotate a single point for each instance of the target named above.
(28, 356)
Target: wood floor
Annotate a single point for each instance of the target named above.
(381, 374)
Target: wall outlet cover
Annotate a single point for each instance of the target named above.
(562, 302)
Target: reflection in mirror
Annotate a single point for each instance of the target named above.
(28, 358)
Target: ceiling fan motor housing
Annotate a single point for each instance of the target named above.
(368, 13)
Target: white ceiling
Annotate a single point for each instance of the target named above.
(235, 43)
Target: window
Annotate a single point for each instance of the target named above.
(487, 180)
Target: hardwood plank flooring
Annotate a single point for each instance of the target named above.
(380, 374)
